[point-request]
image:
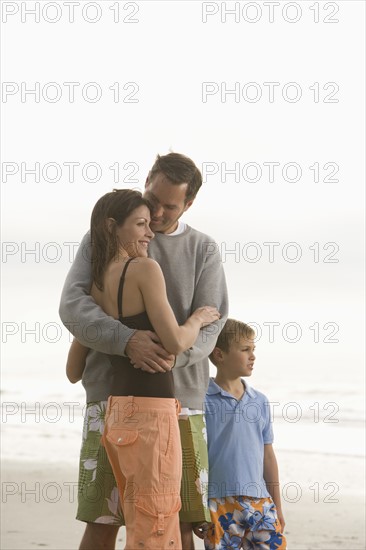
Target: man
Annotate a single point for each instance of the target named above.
(194, 277)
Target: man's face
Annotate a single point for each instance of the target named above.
(168, 200)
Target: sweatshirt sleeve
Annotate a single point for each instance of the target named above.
(82, 316)
(210, 290)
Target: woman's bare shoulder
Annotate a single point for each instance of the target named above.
(135, 264)
(145, 266)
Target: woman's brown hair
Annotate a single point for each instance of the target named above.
(118, 204)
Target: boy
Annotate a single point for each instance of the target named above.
(243, 489)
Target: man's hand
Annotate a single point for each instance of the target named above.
(146, 353)
(201, 530)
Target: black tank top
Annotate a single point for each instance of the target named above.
(126, 379)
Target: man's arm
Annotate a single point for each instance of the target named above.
(82, 316)
(210, 290)
(93, 327)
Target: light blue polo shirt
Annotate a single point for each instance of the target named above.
(236, 433)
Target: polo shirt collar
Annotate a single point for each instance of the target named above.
(214, 388)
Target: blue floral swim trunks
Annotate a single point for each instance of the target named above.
(244, 522)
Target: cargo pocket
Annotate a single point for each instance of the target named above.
(121, 437)
(122, 449)
(156, 523)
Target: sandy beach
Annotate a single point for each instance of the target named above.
(323, 504)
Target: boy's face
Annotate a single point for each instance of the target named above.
(239, 360)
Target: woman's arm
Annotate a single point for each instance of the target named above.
(173, 337)
(76, 361)
(270, 474)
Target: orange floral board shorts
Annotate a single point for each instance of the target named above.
(244, 522)
(142, 440)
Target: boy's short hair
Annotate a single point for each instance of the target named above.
(232, 331)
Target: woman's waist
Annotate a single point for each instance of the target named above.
(126, 380)
(142, 404)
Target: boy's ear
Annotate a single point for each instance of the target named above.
(217, 353)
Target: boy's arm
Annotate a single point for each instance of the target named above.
(270, 474)
(76, 360)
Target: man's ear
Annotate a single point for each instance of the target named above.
(147, 181)
(188, 205)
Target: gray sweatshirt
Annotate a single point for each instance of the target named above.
(194, 277)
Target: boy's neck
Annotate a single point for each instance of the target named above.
(233, 386)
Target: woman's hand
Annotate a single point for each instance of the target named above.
(207, 315)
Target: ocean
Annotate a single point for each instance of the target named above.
(309, 361)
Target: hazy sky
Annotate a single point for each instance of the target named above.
(267, 100)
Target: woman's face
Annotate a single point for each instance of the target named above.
(135, 234)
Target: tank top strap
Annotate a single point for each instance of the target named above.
(120, 288)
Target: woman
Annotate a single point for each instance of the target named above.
(141, 433)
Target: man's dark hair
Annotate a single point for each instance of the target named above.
(178, 169)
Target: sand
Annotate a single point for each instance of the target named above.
(323, 504)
